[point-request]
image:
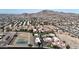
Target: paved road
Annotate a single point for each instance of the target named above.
(6, 40)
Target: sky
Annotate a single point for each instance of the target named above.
(19, 11)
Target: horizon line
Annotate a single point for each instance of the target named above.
(29, 11)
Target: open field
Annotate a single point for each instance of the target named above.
(73, 42)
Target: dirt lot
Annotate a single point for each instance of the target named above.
(72, 41)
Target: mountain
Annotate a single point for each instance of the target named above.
(50, 13)
(45, 14)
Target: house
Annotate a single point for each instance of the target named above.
(37, 40)
(47, 39)
(55, 39)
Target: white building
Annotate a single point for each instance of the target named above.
(37, 40)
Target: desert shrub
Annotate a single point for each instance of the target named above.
(56, 47)
(49, 46)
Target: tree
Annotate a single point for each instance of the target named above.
(2, 28)
(30, 45)
(67, 47)
(8, 29)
